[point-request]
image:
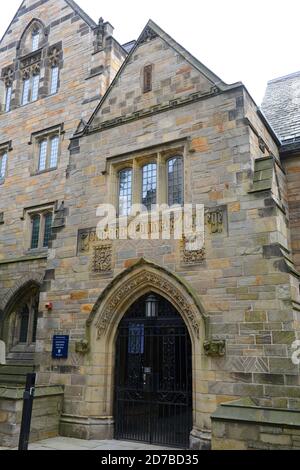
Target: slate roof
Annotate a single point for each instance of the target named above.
(281, 106)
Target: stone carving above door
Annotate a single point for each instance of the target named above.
(102, 258)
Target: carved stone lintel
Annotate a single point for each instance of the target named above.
(102, 259)
(82, 347)
(31, 59)
(215, 348)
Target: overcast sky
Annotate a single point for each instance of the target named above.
(251, 41)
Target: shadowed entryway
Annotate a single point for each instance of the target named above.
(153, 394)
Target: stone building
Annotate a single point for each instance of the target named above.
(168, 342)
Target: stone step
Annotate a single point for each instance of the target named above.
(15, 374)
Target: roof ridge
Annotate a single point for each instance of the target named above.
(284, 77)
(81, 13)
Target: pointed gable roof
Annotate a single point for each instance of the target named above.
(81, 13)
(151, 31)
(91, 23)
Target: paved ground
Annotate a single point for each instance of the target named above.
(66, 443)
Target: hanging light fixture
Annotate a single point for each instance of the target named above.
(151, 306)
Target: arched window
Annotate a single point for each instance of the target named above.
(125, 191)
(149, 185)
(35, 36)
(175, 181)
(20, 325)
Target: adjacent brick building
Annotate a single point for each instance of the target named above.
(168, 342)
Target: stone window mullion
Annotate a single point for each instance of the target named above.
(48, 152)
(161, 180)
(136, 182)
(42, 230)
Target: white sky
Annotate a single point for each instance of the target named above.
(251, 41)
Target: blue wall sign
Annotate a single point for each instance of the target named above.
(60, 348)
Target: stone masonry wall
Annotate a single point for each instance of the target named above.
(242, 283)
(79, 91)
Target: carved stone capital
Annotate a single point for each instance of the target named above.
(82, 347)
(215, 348)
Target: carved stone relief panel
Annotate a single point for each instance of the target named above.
(102, 258)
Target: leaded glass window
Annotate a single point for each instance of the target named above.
(47, 229)
(26, 90)
(35, 235)
(149, 185)
(35, 40)
(54, 80)
(43, 155)
(35, 87)
(24, 324)
(8, 98)
(125, 192)
(54, 151)
(3, 165)
(175, 181)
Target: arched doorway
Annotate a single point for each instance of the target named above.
(153, 374)
(19, 327)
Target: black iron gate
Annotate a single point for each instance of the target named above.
(153, 401)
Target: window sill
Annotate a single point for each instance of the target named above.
(42, 172)
(37, 252)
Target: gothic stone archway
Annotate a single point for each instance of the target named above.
(103, 324)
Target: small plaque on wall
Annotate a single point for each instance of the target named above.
(60, 348)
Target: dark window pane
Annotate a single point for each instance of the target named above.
(35, 232)
(48, 226)
(175, 181)
(149, 185)
(125, 191)
(24, 323)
